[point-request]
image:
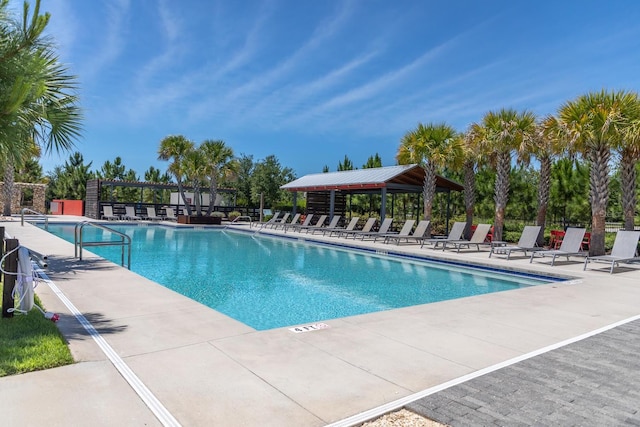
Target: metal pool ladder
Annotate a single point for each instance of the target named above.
(41, 215)
(79, 243)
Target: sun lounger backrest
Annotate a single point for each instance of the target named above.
(529, 236)
(352, 224)
(107, 211)
(169, 212)
(407, 227)
(480, 234)
(130, 211)
(572, 241)
(626, 244)
(307, 220)
(334, 221)
(456, 231)
(386, 224)
(151, 212)
(321, 221)
(295, 219)
(369, 225)
(421, 229)
(284, 218)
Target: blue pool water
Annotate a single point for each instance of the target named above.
(268, 282)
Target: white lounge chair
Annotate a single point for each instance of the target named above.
(571, 246)
(283, 224)
(308, 227)
(366, 229)
(454, 234)
(404, 232)
(270, 222)
(625, 249)
(384, 229)
(170, 214)
(350, 227)
(277, 221)
(478, 238)
(332, 226)
(107, 213)
(130, 213)
(305, 223)
(419, 234)
(151, 214)
(527, 243)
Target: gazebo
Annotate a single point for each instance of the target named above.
(326, 190)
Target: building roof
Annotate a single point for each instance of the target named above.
(402, 178)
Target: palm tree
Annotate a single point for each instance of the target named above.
(432, 146)
(38, 103)
(628, 148)
(195, 170)
(219, 163)
(595, 122)
(176, 148)
(472, 156)
(503, 133)
(546, 145)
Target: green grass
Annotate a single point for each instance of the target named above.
(31, 343)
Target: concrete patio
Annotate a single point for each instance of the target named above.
(208, 369)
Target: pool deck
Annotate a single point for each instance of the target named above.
(203, 368)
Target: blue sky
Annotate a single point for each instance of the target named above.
(310, 81)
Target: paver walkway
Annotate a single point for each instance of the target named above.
(594, 382)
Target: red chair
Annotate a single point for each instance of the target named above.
(586, 242)
(555, 240)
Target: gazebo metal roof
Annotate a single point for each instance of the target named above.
(396, 179)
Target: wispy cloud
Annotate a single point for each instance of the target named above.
(245, 94)
(113, 41)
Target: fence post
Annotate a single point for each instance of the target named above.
(10, 265)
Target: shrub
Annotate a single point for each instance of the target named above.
(233, 215)
(217, 214)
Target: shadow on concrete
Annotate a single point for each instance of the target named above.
(72, 329)
(60, 267)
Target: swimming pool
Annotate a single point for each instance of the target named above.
(268, 282)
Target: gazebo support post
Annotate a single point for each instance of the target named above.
(332, 203)
(383, 204)
(295, 202)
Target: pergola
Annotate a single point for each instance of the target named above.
(386, 180)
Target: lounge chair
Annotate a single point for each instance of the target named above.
(308, 227)
(271, 221)
(625, 249)
(405, 231)
(278, 221)
(151, 214)
(454, 234)
(305, 223)
(478, 238)
(107, 213)
(350, 227)
(366, 229)
(571, 245)
(282, 224)
(170, 214)
(418, 234)
(130, 213)
(527, 243)
(384, 229)
(332, 226)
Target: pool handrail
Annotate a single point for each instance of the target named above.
(79, 243)
(36, 213)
